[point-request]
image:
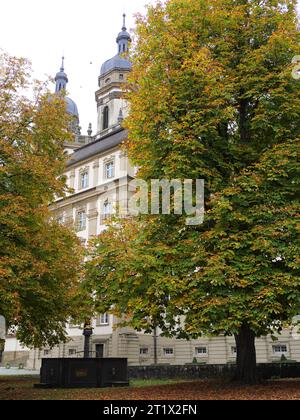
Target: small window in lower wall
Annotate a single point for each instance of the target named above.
(102, 320)
(280, 349)
(47, 352)
(233, 350)
(168, 351)
(72, 352)
(144, 351)
(201, 351)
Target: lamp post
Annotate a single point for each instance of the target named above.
(2, 335)
(87, 332)
(155, 344)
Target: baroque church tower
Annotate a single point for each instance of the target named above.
(61, 80)
(111, 107)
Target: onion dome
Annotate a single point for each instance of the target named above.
(118, 62)
(61, 80)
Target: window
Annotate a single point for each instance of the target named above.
(121, 76)
(280, 349)
(47, 352)
(168, 351)
(107, 210)
(144, 351)
(81, 216)
(109, 170)
(72, 352)
(200, 351)
(105, 117)
(103, 319)
(233, 350)
(84, 180)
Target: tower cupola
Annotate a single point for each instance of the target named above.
(112, 107)
(123, 38)
(119, 62)
(61, 78)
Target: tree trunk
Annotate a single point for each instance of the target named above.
(3, 331)
(246, 356)
(243, 120)
(2, 346)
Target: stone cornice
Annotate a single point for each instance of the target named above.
(74, 198)
(91, 193)
(106, 91)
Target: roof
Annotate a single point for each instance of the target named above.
(71, 107)
(61, 75)
(116, 62)
(123, 35)
(99, 146)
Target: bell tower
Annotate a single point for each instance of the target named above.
(112, 108)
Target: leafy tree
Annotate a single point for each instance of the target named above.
(248, 277)
(133, 268)
(212, 97)
(38, 257)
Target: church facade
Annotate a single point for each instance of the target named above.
(98, 171)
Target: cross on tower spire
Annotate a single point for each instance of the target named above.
(124, 22)
(62, 69)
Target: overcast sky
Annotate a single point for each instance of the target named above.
(83, 30)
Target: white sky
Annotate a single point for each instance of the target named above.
(84, 31)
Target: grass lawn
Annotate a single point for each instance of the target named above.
(21, 388)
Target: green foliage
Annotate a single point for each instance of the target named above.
(211, 96)
(38, 257)
(249, 260)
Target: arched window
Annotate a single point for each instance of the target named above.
(105, 117)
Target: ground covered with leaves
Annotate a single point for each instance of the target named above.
(21, 388)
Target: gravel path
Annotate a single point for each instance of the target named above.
(18, 372)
